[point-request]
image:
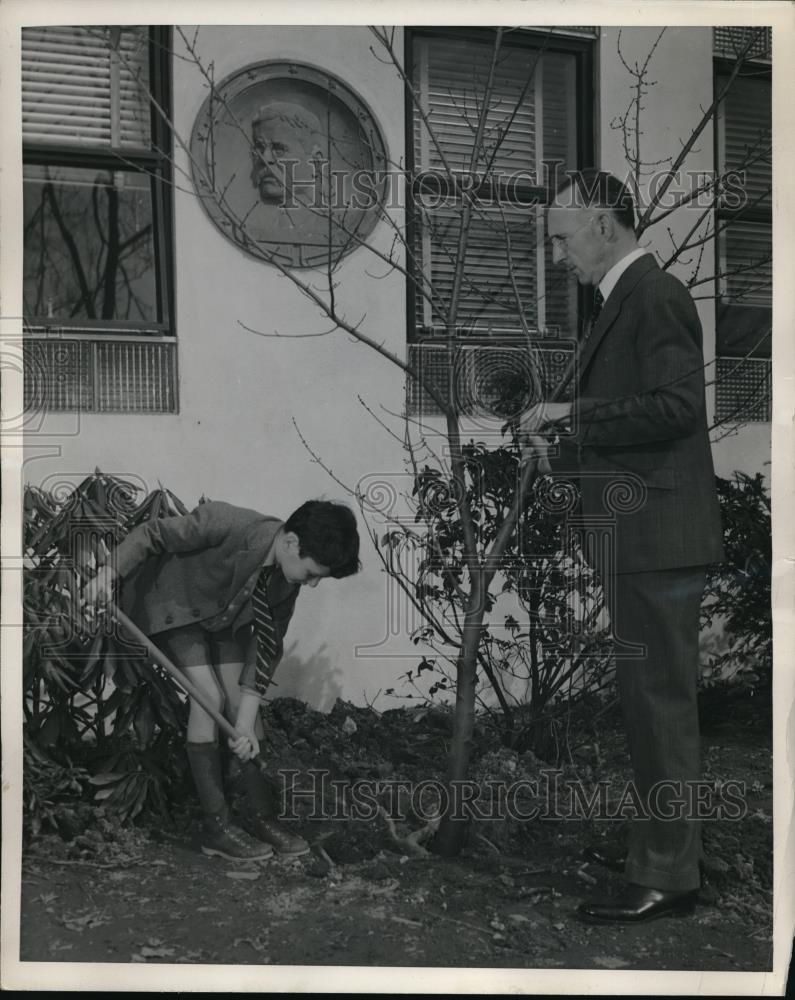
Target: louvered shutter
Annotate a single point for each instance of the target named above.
(748, 263)
(745, 133)
(452, 76)
(86, 86)
(744, 142)
(530, 118)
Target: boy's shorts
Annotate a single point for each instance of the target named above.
(194, 646)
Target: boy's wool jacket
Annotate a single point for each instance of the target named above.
(201, 567)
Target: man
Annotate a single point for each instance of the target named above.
(645, 467)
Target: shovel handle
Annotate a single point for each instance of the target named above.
(199, 696)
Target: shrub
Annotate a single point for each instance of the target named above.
(545, 643)
(92, 706)
(737, 595)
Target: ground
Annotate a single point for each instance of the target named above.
(145, 894)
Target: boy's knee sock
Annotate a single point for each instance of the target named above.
(205, 766)
(259, 791)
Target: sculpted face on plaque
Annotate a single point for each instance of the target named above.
(289, 164)
(286, 154)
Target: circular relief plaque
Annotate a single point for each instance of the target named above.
(289, 164)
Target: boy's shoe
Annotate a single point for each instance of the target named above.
(271, 832)
(223, 838)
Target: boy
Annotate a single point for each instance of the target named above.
(215, 589)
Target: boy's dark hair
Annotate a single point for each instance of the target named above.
(598, 189)
(327, 533)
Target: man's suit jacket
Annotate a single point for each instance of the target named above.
(640, 426)
(201, 567)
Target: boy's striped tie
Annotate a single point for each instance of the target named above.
(267, 644)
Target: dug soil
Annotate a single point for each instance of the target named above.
(368, 895)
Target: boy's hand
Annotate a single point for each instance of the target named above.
(246, 747)
(100, 590)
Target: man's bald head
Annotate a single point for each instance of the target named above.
(592, 188)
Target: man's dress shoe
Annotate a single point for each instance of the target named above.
(637, 904)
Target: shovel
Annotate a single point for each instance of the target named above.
(187, 685)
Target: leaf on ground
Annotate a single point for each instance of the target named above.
(85, 922)
(58, 945)
(718, 951)
(154, 948)
(250, 876)
(191, 957)
(383, 890)
(611, 962)
(258, 944)
(156, 951)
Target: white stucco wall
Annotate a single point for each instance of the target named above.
(234, 437)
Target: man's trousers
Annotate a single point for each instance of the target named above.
(658, 611)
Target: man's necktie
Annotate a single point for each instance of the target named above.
(598, 302)
(267, 644)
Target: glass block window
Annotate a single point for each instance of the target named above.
(743, 390)
(102, 376)
(728, 42)
(497, 379)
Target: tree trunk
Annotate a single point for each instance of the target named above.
(450, 838)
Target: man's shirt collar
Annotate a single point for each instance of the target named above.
(610, 280)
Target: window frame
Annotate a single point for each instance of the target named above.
(154, 162)
(581, 46)
(749, 354)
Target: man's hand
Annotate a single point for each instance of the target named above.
(544, 416)
(536, 448)
(246, 747)
(99, 591)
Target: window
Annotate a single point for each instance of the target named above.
(98, 269)
(538, 125)
(744, 222)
